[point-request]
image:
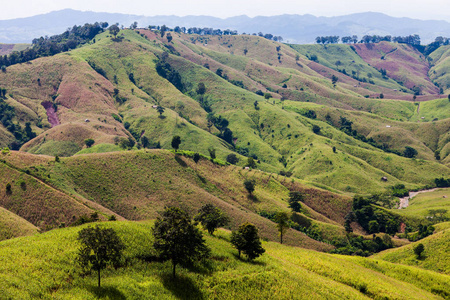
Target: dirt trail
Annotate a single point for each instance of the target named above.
(404, 202)
(51, 113)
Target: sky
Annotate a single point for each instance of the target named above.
(425, 10)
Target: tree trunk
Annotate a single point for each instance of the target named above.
(98, 277)
(281, 237)
(173, 270)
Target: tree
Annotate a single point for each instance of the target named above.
(282, 220)
(294, 201)
(160, 110)
(114, 30)
(316, 129)
(334, 79)
(100, 247)
(251, 162)
(145, 142)
(89, 142)
(249, 186)
(232, 158)
(163, 30)
(196, 157)
(267, 96)
(176, 141)
(201, 88)
(418, 250)
(133, 25)
(409, 152)
(212, 152)
(177, 239)
(211, 218)
(256, 105)
(246, 239)
(169, 37)
(374, 227)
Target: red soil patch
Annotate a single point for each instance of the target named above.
(51, 113)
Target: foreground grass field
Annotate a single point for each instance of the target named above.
(42, 266)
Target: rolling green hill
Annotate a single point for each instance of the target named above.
(108, 91)
(47, 270)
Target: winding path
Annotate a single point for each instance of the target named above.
(404, 202)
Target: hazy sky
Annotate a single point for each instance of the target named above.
(423, 9)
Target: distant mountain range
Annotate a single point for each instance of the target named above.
(301, 29)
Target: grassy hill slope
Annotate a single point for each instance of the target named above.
(435, 257)
(285, 273)
(11, 225)
(108, 90)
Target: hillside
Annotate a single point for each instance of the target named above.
(435, 257)
(107, 91)
(136, 185)
(47, 270)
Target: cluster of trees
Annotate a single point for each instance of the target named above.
(165, 70)
(7, 113)
(371, 218)
(210, 31)
(47, 46)
(442, 182)
(409, 39)
(176, 239)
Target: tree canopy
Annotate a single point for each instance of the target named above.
(246, 240)
(211, 218)
(177, 239)
(99, 247)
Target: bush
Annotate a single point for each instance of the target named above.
(232, 158)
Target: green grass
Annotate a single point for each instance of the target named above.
(420, 205)
(436, 256)
(100, 148)
(12, 225)
(47, 270)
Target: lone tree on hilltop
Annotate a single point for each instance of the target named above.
(114, 30)
(176, 141)
(89, 142)
(99, 247)
(294, 201)
(177, 239)
(283, 224)
(211, 218)
(246, 239)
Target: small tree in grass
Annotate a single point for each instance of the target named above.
(283, 224)
(160, 110)
(246, 239)
(196, 157)
(89, 142)
(249, 186)
(177, 239)
(176, 141)
(294, 201)
(418, 250)
(211, 218)
(100, 247)
(114, 30)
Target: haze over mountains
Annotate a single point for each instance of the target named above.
(293, 28)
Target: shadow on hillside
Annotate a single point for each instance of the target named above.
(106, 292)
(244, 259)
(181, 287)
(252, 198)
(180, 161)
